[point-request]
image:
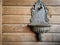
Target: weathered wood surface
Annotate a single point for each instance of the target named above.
(29, 2)
(29, 37)
(23, 28)
(50, 37)
(31, 43)
(55, 19)
(16, 18)
(16, 28)
(27, 9)
(18, 12)
(16, 37)
(10, 19)
(54, 29)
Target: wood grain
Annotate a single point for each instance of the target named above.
(16, 18)
(23, 28)
(10, 19)
(16, 37)
(55, 19)
(16, 28)
(29, 2)
(27, 10)
(16, 10)
(55, 28)
(31, 43)
(29, 37)
(50, 37)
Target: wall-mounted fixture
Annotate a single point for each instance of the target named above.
(39, 20)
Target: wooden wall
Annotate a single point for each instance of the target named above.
(16, 16)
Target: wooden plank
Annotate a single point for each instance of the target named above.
(16, 37)
(16, 10)
(29, 2)
(50, 37)
(18, 2)
(31, 43)
(16, 28)
(53, 9)
(26, 19)
(23, 28)
(16, 18)
(55, 19)
(30, 37)
(0, 22)
(27, 9)
(54, 29)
